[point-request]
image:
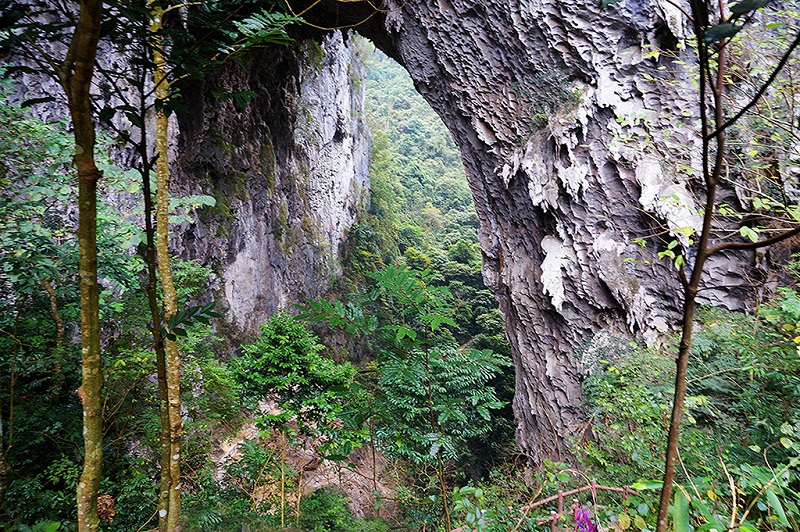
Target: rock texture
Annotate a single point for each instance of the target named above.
(576, 139)
(280, 140)
(576, 131)
(289, 172)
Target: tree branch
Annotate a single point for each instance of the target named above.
(761, 91)
(754, 245)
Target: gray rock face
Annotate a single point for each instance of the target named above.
(576, 138)
(289, 172)
(281, 142)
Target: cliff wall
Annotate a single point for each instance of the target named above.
(578, 141)
(279, 138)
(577, 137)
(289, 171)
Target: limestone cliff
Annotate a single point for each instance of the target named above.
(576, 140)
(575, 136)
(280, 140)
(289, 171)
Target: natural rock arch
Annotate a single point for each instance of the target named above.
(562, 197)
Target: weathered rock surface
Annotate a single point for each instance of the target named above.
(288, 168)
(572, 153)
(289, 172)
(575, 138)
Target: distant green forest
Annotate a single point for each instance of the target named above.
(421, 203)
(421, 213)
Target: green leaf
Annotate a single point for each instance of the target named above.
(749, 232)
(648, 485)
(747, 6)
(720, 32)
(437, 320)
(666, 253)
(777, 507)
(712, 521)
(680, 517)
(403, 332)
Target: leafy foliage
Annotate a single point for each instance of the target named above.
(741, 419)
(431, 396)
(285, 364)
(436, 400)
(419, 196)
(38, 258)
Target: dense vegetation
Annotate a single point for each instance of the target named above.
(420, 373)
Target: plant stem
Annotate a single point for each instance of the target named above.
(172, 356)
(443, 489)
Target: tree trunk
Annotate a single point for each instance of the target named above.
(158, 336)
(76, 77)
(171, 520)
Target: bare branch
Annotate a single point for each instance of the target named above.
(784, 59)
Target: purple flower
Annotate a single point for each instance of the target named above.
(583, 520)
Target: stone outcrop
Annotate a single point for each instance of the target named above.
(576, 131)
(280, 140)
(289, 172)
(576, 137)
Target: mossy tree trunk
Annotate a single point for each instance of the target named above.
(169, 516)
(158, 335)
(75, 74)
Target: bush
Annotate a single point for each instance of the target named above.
(326, 510)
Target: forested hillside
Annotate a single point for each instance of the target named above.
(421, 213)
(420, 200)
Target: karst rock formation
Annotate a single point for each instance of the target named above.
(576, 128)
(575, 135)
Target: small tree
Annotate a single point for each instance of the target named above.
(285, 365)
(730, 88)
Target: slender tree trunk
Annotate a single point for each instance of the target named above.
(673, 439)
(47, 284)
(151, 289)
(712, 171)
(158, 341)
(172, 357)
(443, 489)
(76, 77)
